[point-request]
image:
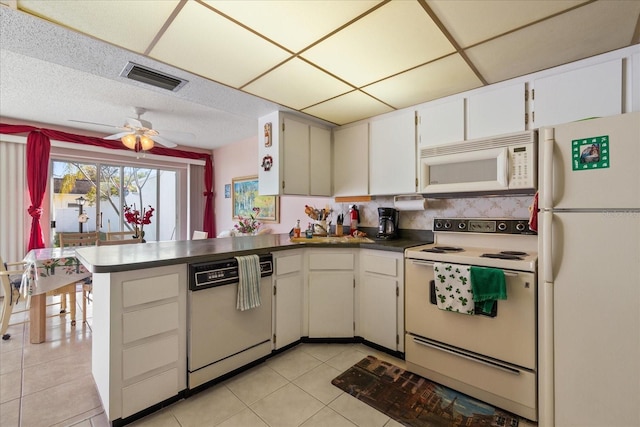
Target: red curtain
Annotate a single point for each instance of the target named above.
(208, 223)
(38, 148)
(43, 158)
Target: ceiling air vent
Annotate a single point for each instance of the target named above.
(152, 77)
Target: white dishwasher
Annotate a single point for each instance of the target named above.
(222, 338)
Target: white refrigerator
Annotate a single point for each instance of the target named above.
(589, 273)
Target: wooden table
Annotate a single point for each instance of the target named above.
(47, 270)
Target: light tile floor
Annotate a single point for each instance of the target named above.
(51, 384)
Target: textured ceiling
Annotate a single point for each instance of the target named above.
(338, 61)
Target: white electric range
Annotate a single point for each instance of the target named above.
(490, 356)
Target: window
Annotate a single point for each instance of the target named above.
(107, 188)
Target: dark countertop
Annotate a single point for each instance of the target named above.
(111, 259)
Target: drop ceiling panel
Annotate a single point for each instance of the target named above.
(472, 21)
(293, 24)
(296, 84)
(559, 40)
(205, 43)
(130, 24)
(348, 108)
(393, 38)
(446, 76)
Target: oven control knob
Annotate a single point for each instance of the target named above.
(438, 225)
(447, 225)
(462, 225)
(502, 226)
(520, 226)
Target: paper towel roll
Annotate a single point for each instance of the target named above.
(410, 204)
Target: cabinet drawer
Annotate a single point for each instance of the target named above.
(146, 393)
(288, 264)
(150, 321)
(149, 356)
(380, 265)
(337, 261)
(149, 289)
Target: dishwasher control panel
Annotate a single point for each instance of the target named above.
(222, 272)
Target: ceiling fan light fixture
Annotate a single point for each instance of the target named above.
(146, 143)
(129, 141)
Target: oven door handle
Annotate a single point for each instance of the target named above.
(488, 363)
(430, 264)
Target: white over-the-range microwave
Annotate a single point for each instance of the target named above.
(501, 165)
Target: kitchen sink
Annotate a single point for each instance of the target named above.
(332, 239)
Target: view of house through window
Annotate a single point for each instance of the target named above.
(106, 190)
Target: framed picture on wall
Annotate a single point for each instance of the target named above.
(244, 197)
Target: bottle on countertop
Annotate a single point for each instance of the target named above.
(355, 218)
(309, 232)
(296, 229)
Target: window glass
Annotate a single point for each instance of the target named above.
(106, 190)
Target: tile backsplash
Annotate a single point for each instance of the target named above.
(477, 207)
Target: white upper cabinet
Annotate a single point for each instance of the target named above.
(294, 156)
(320, 162)
(392, 152)
(441, 123)
(351, 160)
(593, 91)
(496, 111)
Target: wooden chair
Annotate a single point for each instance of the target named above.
(121, 235)
(10, 277)
(119, 242)
(75, 240)
(199, 235)
(79, 239)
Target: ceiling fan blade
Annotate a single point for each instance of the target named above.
(136, 123)
(163, 141)
(174, 135)
(117, 135)
(139, 123)
(94, 123)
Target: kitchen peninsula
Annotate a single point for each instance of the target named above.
(141, 308)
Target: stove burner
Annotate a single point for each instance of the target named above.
(518, 253)
(502, 256)
(443, 249)
(449, 248)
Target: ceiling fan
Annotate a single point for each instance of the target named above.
(138, 134)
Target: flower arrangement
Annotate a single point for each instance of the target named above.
(248, 225)
(133, 216)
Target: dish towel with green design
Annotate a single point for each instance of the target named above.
(488, 285)
(453, 290)
(248, 282)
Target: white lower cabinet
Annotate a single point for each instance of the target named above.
(287, 300)
(331, 276)
(381, 298)
(139, 338)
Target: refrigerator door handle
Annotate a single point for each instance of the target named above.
(547, 258)
(547, 168)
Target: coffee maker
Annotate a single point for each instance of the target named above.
(387, 223)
